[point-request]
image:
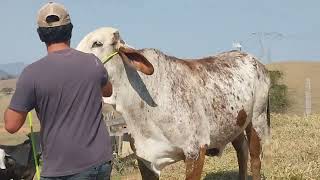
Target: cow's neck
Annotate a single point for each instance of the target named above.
(138, 85)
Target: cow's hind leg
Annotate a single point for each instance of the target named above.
(255, 151)
(241, 146)
(146, 173)
(194, 167)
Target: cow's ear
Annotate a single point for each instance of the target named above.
(136, 60)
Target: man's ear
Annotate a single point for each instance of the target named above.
(136, 60)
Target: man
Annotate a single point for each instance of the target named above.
(65, 88)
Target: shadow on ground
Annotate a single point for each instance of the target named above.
(223, 175)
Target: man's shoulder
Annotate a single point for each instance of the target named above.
(43, 62)
(83, 53)
(89, 57)
(34, 65)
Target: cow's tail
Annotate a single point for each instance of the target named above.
(267, 152)
(267, 130)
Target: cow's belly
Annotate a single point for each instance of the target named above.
(225, 131)
(157, 154)
(220, 140)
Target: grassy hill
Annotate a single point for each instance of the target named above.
(295, 74)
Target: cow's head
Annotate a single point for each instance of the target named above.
(104, 42)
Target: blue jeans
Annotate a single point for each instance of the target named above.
(98, 172)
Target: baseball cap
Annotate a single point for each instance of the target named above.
(53, 14)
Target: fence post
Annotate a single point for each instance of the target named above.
(307, 110)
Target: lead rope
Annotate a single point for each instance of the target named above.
(33, 146)
(108, 58)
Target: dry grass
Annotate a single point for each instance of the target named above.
(296, 143)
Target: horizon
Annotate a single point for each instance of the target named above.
(185, 30)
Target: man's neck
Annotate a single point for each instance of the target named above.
(57, 46)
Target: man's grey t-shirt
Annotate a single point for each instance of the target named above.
(64, 87)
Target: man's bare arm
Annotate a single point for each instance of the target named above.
(107, 90)
(14, 120)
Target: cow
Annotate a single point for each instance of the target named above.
(17, 162)
(183, 109)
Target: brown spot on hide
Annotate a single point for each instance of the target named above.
(226, 65)
(212, 105)
(208, 63)
(203, 80)
(241, 118)
(221, 63)
(141, 104)
(223, 106)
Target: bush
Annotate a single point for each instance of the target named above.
(279, 101)
(7, 91)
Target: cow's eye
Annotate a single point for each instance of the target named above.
(96, 44)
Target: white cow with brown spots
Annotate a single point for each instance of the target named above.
(180, 109)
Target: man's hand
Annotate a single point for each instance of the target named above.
(14, 120)
(107, 90)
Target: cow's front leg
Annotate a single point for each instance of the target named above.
(194, 167)
(146, 173)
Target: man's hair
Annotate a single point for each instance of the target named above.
(56, 34)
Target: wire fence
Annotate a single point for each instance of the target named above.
(304, 101)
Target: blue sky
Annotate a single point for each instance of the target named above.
(287, 29)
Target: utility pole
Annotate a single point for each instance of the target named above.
(262, 36)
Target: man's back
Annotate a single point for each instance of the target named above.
(66, 86)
